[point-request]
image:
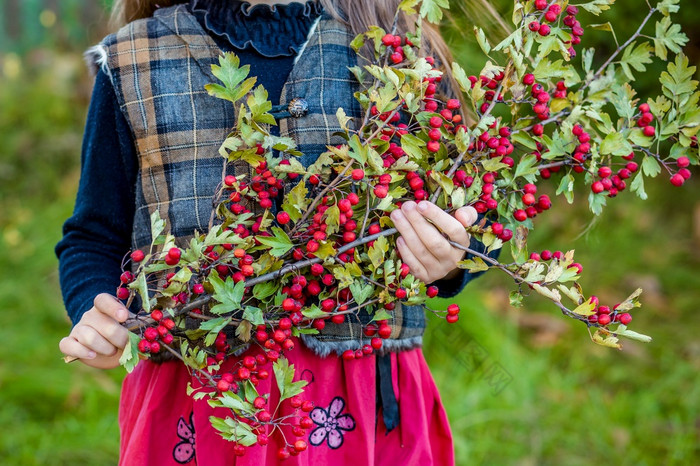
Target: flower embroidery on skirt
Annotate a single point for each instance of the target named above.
(183, 452)
(331, 424)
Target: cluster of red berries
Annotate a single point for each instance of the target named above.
(550, 14)
(264, 188)
(548, 255)
(614, 183)
(151, 335)
(397, 43)
(491, 84)
(533, 205)
(683, 173)
(604, 315)
(541, 100)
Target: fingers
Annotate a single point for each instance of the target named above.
(106, 326)
(72, 347)
(93, 340)
(467, 216)
(451, 226)
(417, 269)
(111, 306)
(411, 237)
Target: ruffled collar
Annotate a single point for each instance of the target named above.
(272, 30)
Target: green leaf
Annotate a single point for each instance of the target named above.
(650, 166)
(637, 186)
(461, 77)
(596, 202)
(474, 265)
(284, 374)
(597, 6)
(516, 299)
(676, 81)
(622, 331)
(254, 315)
(636, 57)
(527, 166)
(615, 144)
(666, 7)
(361, 291)
(130, 355)
(482, 40)
(279, 243)
(141, 286)
(378, 251)
(413, 146)
(668, 37)
(157, 225)
(296, 201)
(313, 312)
(214, 326)
(265, 289)
(432, 9)
(228, 294)
(566, 186)
(232, 76)
(587, 308)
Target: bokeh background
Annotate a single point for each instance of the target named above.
(522, 387)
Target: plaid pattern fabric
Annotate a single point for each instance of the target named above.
(159, 67)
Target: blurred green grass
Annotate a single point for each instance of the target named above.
(521, 387)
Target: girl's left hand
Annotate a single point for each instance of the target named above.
(421, 245)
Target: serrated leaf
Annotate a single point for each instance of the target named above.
(482, 40)
(254, 315)
(361, 291)
(677, 79)
(615, 144)
(130, 354)
(214, 326)
(516, 299)
(597, 6)
(637, 186)
(650, 166)
(378, 251)
(623, 331)
(605, 339)
(284, 374)
(157, 225)
(637, 57)
(668, 37)
(432, 9)
(473, 265)
(296, 201)
(587, 308)
(228, 294)
(141, 286)
(279, 242)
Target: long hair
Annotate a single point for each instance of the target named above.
(358, 15)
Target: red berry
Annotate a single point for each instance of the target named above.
(649, 131)
(432, 291)
(453, 309)
(358, 174)
(677, 180)
(396, 57)
(625, 318)
(604, 172)
(381, 191)
(683, 162)
(540, 4)
(388, 40)
(283, 218)
(597, 187)
(529, 79)
(534, 26)
(538, 130)
(544, 30)
(644, 108)
(138, 255)
(604, 319)
(436, 122)
(520, 215)
(451, 319)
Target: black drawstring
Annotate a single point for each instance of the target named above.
(385, 393)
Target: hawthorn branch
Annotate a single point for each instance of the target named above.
(619, 49)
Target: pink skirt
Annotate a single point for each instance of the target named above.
(161, 425)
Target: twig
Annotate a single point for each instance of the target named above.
(619, 49)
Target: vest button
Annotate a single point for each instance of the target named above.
(298, 107)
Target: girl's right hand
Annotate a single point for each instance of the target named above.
(99, 338)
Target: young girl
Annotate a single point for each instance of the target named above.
(151, 143)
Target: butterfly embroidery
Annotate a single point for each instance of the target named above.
(184, 451)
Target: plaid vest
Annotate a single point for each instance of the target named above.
(159, 66)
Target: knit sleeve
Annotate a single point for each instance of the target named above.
(98, 234)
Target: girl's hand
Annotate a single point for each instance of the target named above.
(421, 245)
(98, 339)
